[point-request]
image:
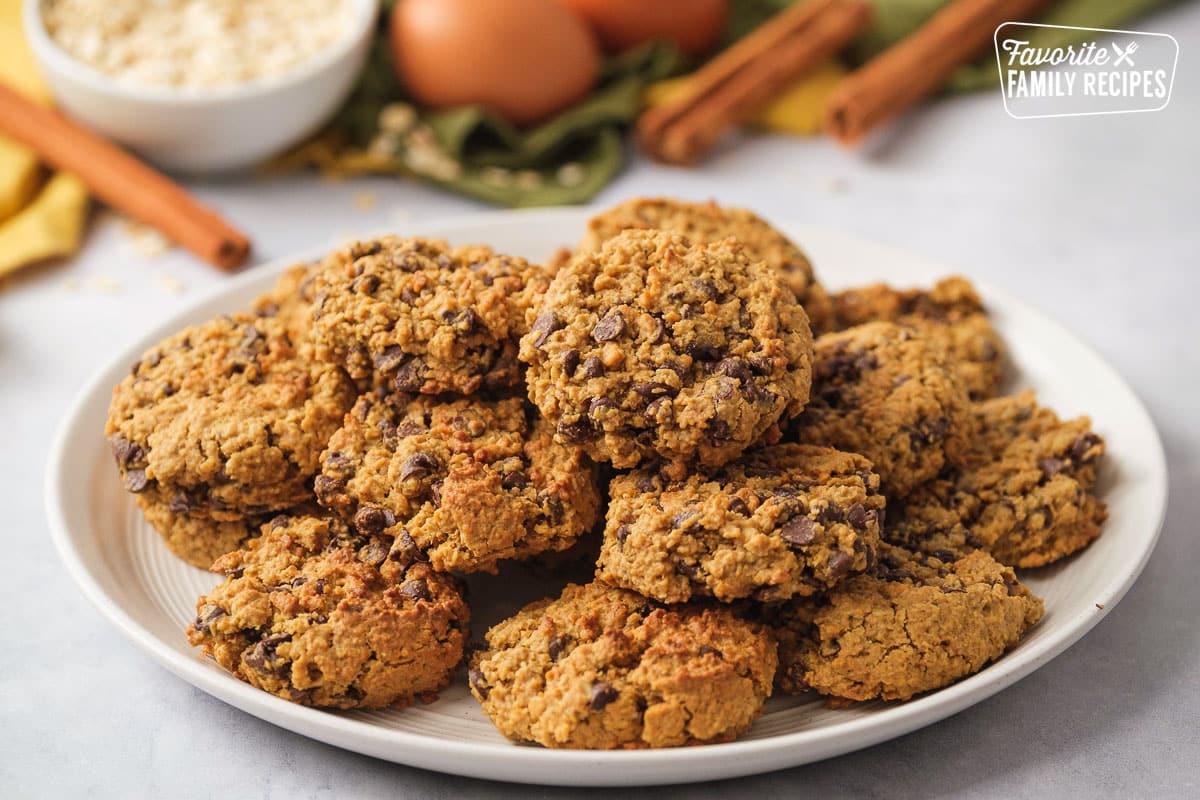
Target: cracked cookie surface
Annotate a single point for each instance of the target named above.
(421, 316)
(654, 348)
(604, 668)
(320, 615)
(882, 390)
(910, 624)
(468, 481)
(1025, 494)
(703, 223)
(225, 419)
(950, 314)
(781, 521)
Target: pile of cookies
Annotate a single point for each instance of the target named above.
(781, 487)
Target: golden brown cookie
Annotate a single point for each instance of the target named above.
(225, 419)
(197, 540)
(655, 348)
(950, 314)
(884, 391)
(318, 614)
(911, 624)
(424, 317)
(703, 223)
(1025, 494)
(603, 668)
(781, 521)
(469, 481)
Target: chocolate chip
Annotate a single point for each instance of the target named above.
(514, 480)
(371, 519)
(738, 506)
(736, 368)
(719, 430)
(124, 451)
(558, 644)
(704, 352)
(839, 565)
(410, 427)
(647, 484)
(373, 552)
(622, 534)
(576, 432)
(610, 326)
(706, 649)
(1051, 466)
(858, 516)
(593, 367)
(598, 404)
(391, 358)
(681, 519)
(418, 465)
(798, 531)
(417, 589)
(831, 513)
(570, 360)
(1082, 445)
(654, 406)
(207, 616)
(365, 284)
(653, 389)
(687, 570)
(761, 365)
(135, 480)
(326, 488)
(603, 693)
(319, 585)
(409, 296)
(263, 659)
(478, 683)
(546, 324)
(410, 376)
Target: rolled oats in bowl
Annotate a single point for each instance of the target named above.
(196, 44)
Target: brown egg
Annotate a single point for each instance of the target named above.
(621, 24)
(524, 59)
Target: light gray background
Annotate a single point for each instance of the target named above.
(1093, 220)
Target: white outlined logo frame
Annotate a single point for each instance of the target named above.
(1001, 70)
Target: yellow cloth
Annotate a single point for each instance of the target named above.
(798, 110)
(40, 216)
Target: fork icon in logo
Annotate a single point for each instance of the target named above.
(1124, 55)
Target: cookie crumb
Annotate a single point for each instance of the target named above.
(107, 285)
(366, 201)
(172, 284)
(1100, 606)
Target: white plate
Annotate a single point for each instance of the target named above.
(126, 571)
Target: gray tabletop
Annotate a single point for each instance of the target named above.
(1091, 219)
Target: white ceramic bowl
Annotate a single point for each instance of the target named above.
(209, 130)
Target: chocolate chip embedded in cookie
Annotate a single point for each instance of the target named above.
(1025, 494)
(911, 624)
(603, 668)
(781, 521)
(950, 313)
(882, 390)
(425, 317)
(317, 614)
(197, 540)
(703, 223)
(467, 481)
(654, 348)
(225, 419)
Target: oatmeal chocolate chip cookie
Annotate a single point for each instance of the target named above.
(423, 316)
(882, 390)
(950, 313)
(704, 223)
(911, 624)
(653, 347)
(225, 419)
(782, 521)
(603, 668)
(320, 615)
(197, 540)
(466, 481)
(1025, 494)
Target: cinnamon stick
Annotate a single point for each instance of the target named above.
(911, 69)
(122, 181)
(736, 84)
